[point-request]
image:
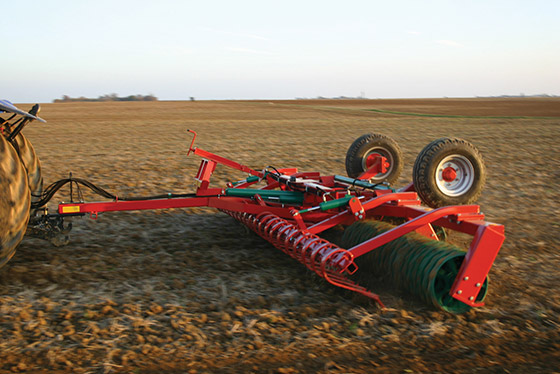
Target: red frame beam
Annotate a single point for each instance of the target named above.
(224, 161)
(412, 225)
(113, 206)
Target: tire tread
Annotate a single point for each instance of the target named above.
(15, 200)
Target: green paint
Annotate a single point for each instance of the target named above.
(361, 183)
(284, 197)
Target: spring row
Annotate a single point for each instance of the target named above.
(317, 254)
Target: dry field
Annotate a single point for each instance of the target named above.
(191, 291)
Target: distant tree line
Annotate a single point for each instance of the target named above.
(111, 97)
(332, 98)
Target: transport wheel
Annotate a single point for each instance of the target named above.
(362, 152)
(449, 171)
(15, 200)
(32, 166)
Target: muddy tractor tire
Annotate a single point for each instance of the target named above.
(15, 200)
(32, 166)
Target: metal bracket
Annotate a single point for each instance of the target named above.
(356, 208)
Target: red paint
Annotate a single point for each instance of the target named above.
(449, 174)
(376, 164)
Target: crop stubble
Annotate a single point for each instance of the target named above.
(191, 290)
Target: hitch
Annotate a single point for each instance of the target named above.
(50, 227)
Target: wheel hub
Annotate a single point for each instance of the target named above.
(455, 175)
(369, 159)
(449, 174)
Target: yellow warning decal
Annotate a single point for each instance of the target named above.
(71, 209)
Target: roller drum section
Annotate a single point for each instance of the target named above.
(413, 263)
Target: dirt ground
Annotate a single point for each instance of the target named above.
(192, 291)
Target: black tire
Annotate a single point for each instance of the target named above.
(32, 166)
(15, 200)
(449, 171)
(364, 146)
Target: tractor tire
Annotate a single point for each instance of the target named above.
(32, 165)
(365, 146)
(449, 171)
(15, 200)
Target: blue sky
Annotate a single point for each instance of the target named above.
(279, 49)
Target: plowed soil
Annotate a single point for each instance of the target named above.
(192, 291)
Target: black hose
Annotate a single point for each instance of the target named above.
(53, 188)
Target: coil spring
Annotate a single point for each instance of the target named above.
(324, 258)
(317, 254)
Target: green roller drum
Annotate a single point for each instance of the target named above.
(421, 266)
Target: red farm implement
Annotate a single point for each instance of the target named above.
(398, 234)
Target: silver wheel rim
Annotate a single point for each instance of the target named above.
(464, 175)
(383, 152)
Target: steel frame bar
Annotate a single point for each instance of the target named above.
(224, 161)
(112, 206)
(412, 225)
